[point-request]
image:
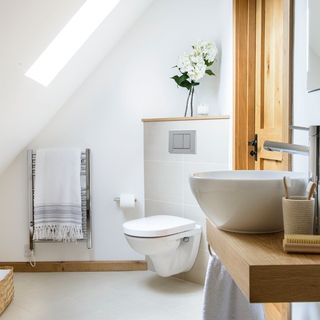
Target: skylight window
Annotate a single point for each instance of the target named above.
(69, 40)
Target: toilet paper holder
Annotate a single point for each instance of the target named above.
(117, 199)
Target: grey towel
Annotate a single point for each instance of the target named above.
(223, 300)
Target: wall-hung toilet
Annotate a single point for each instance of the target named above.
(171, 242)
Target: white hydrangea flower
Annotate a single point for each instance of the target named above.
(200, 47)
(195, 57)
(209, 50)
(212, 52)
(184, 63)
(194, 63)
(198, 67)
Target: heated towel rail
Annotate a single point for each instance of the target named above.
(85, 198)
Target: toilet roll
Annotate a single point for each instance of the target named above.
(127, 200)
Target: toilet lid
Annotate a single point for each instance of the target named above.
(157, 226)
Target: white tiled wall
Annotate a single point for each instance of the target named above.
(166, 177)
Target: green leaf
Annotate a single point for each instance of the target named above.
(176, 79)
(208, 64)
(184, 77)
(209, 72)
(180, 79)
(186, 84)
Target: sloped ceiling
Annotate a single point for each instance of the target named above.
(26, 29)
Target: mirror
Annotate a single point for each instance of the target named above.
(313, 78)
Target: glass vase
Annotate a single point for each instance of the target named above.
(189, 102)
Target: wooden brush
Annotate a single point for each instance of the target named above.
(311, 188)
(302, 243)
(286, 185)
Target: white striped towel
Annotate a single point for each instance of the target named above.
(57, 195)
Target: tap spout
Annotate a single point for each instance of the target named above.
(286, 147)
(313, 152)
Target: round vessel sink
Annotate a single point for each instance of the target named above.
(245, 201)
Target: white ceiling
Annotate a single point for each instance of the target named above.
(26, 28)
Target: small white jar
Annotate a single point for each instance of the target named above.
(202, 110)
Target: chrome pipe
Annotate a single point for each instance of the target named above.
(314, 164)
(88, 198)
(30, 201)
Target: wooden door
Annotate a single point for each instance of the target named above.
(273, 80)
(262, 91)
(262, 81)
(244, 13)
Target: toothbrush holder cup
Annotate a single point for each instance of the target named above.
(298, 215)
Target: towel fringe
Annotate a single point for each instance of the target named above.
(65, 233)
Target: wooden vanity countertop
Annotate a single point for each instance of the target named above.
(261, 269)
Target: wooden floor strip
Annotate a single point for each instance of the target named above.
(78, 266)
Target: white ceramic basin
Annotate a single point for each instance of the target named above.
(244, 201)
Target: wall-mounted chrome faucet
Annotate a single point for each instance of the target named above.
(313, 151)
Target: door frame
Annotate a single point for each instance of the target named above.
(244, 40)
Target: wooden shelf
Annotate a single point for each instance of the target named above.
(262, 271)
(217, 117)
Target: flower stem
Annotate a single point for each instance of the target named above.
(187, 104)
(192, 93)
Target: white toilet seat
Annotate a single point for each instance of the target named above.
(175, 236)
(171, 242)
(157, 226)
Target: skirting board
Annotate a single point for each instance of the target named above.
(78, 266)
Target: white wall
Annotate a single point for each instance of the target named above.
(306, 106)
(313, 69)
(132, 82)
(26, 29)
(167, 189)
(306, 111)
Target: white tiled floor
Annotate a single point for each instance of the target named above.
(103, 296)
